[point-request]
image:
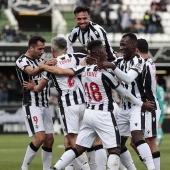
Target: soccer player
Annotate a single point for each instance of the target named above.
(35, 105)
(160, 93)
(130, 120)
(98, 117)
(71, 95)
(151, 118)
(86, 31)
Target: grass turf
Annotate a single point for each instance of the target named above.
(12, 150)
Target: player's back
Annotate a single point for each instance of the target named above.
(150, 81)
(98, 87)
(70, 89)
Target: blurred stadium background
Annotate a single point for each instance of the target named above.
(49, 18)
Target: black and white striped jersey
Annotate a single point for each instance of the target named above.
(70, 89)
(95, 32)
(150, 81)
(136, 87)
(98, 86)
(30, 97)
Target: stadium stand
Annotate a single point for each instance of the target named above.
(138, 9)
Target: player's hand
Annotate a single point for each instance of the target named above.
(90, 60)
(41, 65)
(51, 62)
(117, 54)
(149, 106)
(106, 64)
(29, 85)
(83, 63)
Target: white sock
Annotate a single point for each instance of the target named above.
(46, 155)
(127, 160)
(92, 162)
(65, 159)
(29, 156)
(145, 154)
(70, 166)
(82, 160)
(156, 160)
(73, 164)
(113, 162)
(122, 167)
(101, 159)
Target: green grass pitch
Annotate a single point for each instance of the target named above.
(12, 150)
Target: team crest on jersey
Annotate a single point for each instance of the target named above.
(95, 32)
(71, 82)
(88, 40)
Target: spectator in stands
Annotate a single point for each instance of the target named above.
(154, 5)
(162, 5)
(12, 87)
(152, 28)
(146, 20)
(129, 11)
(119, 18)
(3, 88)
(86, 2)
(96, 12)
(107, 9)
(79, 2)
(138, 26)
(7, 33)
(126, 22)
(159, 24)
(17, 34)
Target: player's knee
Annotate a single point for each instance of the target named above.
(78, 150)
(115, 151)
(40, 139)
(48, 141)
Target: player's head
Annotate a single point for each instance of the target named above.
(58, 46)
(128, 45)
(142, 46)
(82, 17)
(36, 46)
(96, 52)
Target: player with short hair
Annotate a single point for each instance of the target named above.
(35, 105)
(130, 120)
(151, 118)
(98, 118)
(71, 95)
(87, 31)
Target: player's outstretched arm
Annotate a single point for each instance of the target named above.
(31, 85)
(106, 64)
(56, 70)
